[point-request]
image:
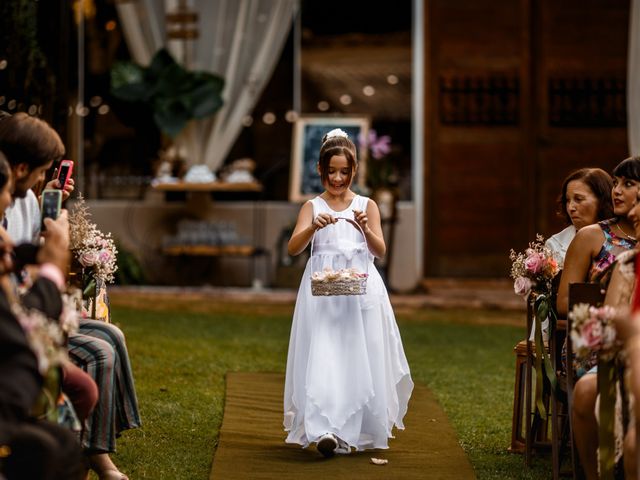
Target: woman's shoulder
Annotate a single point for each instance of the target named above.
(591, 236)
(590, 231)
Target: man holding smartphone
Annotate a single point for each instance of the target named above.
(29, 163)
(32, 147)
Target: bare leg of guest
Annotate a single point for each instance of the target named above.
(585, 426)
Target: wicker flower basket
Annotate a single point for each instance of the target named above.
(356, 286)
(326, 287)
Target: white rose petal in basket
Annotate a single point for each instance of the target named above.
(345, 281)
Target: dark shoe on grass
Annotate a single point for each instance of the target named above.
(327, 445)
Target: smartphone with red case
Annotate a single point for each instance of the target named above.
(64, 172)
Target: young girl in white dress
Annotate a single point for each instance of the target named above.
(348, 381)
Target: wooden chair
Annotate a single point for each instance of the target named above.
(528, 430)
(561, 399)
(535, 427)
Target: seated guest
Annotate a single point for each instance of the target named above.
(584, 200)
(624, 294)
(29, 157)
(76, 384)
(33, 449)
(589, 258)
(628, 330)
(99, 348)
(595, 247)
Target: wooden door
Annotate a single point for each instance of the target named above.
(518, 94)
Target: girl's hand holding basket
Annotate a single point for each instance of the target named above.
(362, 220)
(322, 220)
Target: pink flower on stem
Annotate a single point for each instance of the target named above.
(379, 147)
(88, 259)
(535, 262)
(104, 256)
(522, 286)
(592, 333)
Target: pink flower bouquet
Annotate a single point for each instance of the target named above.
(93, 249)
(592, 331)
(533, 269)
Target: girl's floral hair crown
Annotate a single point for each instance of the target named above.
(336, 132)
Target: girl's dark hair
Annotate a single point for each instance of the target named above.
(30, 140)
(599, 182)
(336, 146)
(5, 171)
(628, 168)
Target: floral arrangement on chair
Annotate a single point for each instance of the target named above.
(592, 330)
(95, 252)
(534, 269)
(46, 337)
(533, 272)
(594, 337)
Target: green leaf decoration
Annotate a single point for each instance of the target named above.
(545, 373)
(90, 289)
(128, 82)
(174, 94)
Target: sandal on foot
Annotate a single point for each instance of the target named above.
(327, 445)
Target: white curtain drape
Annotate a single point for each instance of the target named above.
(633, 79)
(240, 40)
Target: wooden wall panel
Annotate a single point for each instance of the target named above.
(584, 43)
(492, 182)
(477, 184)
(474, 202)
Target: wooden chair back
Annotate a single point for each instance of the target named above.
(592, 294)
(536, 427)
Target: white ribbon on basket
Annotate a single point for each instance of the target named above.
(349, 249)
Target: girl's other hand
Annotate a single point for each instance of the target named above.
(362, 220)
(323, 220)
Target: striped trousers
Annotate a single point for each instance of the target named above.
(100, 349)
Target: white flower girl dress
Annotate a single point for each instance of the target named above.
(347, 373)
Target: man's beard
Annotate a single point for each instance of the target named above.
(19, 190)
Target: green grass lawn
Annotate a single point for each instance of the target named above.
(180, 357)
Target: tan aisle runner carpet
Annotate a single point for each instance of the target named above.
(252, 441)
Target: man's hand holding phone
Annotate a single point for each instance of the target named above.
(55, 248)
(50, 205)
(62, 179)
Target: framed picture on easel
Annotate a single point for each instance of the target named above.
(308, 131)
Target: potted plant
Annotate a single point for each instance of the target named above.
(173, 94)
